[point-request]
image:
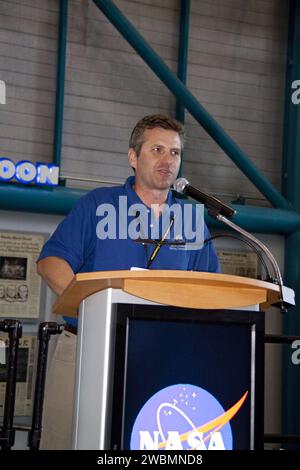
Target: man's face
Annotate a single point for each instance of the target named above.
(11, 291)
(23, 292)
(157, 165)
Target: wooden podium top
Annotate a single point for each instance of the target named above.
(178, 288)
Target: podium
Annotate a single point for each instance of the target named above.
(168, 360)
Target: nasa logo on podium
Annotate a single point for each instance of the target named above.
(184, 417)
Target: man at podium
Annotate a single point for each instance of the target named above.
(141, 224)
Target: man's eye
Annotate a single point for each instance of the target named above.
(175, 153)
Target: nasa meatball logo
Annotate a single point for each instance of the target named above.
(184, 417)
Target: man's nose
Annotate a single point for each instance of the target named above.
(167, 156)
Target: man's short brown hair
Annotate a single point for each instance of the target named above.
(151, 122)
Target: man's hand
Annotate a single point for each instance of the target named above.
(56, 272)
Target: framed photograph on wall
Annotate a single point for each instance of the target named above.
(24, 377)
(20, 285)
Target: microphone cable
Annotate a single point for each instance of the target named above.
(247, 242)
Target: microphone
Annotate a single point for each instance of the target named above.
(221, 212)
(214, 206)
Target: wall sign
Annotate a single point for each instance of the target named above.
(27, 172)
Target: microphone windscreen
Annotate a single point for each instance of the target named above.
(180, 184)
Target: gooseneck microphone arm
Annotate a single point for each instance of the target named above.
(221, 212)
(252, 245)
(261, 245)
(264, 249)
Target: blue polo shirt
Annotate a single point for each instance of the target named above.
(77, 240)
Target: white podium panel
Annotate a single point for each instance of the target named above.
(94, 367)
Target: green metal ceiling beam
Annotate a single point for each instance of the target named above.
(183, 53)
(60, 81)
(263, 220)
(183, 61)
(60, 200)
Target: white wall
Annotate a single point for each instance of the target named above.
(236, 69)
(109, 88)
(28, 53)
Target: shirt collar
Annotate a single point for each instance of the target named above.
(133, 198)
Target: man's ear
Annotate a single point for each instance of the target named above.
(132, 157)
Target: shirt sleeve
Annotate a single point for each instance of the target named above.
(74, 235)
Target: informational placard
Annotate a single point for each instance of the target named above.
(20, 285)
(238, 263)
(25, 368)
